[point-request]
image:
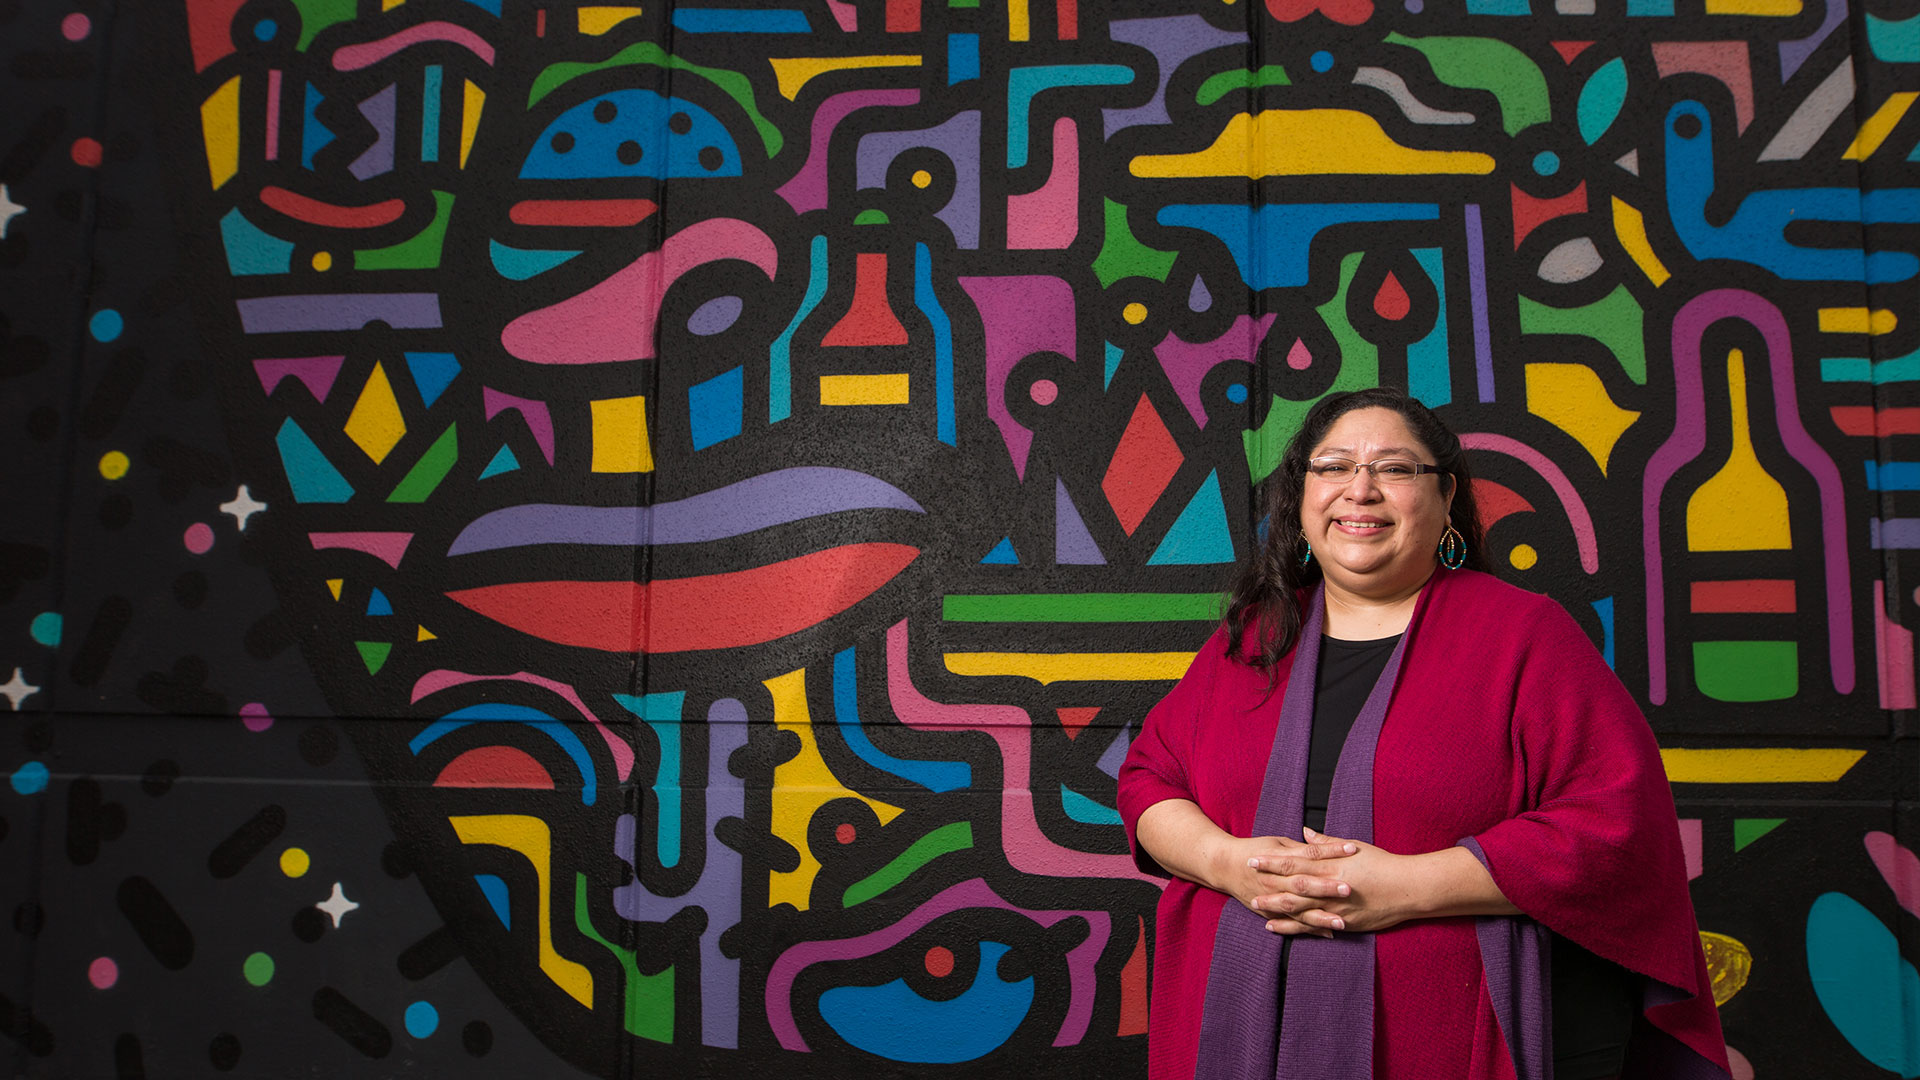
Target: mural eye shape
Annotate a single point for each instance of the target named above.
(633, 133)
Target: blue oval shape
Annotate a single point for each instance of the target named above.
(1601, 99)
(1863, 982)
(894, 1022)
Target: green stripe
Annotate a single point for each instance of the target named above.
(947, 838)
(649, 1007)
(1084, 607)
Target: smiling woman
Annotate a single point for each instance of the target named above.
(1458, 790)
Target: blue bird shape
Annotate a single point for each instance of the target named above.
(1756, 233)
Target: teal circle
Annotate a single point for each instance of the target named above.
(1322, 61)
(1546, 163)
(46, 628)
(1236, 393)
(422, 1019)
(106, 324)
(31, 778)
(265, 29)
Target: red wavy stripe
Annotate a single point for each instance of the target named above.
(314, 212)
(581, 212)
(715, 611)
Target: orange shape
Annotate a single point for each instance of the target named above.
(1074, 718)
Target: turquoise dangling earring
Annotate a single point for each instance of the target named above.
(1307, 555)
(1453, 548)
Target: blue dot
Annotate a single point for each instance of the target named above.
(1236, 393)
(1546, 163)
(46, 628)
(422, 1019)
(106, 324)
(30, 779)
(1415, 6)
(1322, 61)
(265, 29)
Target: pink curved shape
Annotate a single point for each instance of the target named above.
(369, 53)
(1187, 362)
(975, 893)
(1898, 865)
(1690, 437)
(845, 14)
(615, 320)
(1563, 489)
(388, 547)
(1020, 315)
(435, 681)
(1049, 218)
(808, 188)
(1028, 848)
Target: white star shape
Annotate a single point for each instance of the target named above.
(242, 507)
(17, 689)
(8, 211)
(337, 905)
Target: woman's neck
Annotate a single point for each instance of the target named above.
(1368, 615)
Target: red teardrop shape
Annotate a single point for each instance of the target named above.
(1392, 302)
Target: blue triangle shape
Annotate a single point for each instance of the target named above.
(1002, 554)
(313, 134)
(1200, 534)
(504, 461)
(495, 890)
(432, 371)
(378, 604)
(1114, 353)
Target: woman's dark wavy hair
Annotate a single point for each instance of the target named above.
(1263, 601)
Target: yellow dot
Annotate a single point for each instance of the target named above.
(1135, 313)
(921, 178)
(323, 260)
(294, 862)
(1523, 557)
(113, 464)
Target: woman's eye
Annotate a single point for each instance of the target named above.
(1394, 468)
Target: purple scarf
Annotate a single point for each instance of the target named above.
(1327, 1030)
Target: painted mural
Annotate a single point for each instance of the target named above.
(545, 536)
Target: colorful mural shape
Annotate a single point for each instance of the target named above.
(638, 536)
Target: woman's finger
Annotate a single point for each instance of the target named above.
(1291, 926)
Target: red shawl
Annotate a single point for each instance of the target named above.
(1505, 727)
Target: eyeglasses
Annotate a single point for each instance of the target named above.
(1339, 470)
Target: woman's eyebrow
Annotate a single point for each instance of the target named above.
(1347, 451)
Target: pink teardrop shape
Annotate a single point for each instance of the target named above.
(1298, 358)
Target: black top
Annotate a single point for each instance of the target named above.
(1594, 1000)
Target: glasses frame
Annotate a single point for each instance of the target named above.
(1372, 470)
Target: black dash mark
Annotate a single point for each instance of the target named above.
(103, 634)
(238, 849)
(111, 395)
(223, 1052)
(158, 925)
(477, 1037)
(91, 821)
(351, 1022)
(429, 954)
(19, 1022)
(128, 1062)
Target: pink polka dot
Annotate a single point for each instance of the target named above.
(1044, 392)
(845, 833)
(254, 715)
(939, 961)
(103, 973)
(198, 538)
(87, 152)
(76, 26)
(1298, 358)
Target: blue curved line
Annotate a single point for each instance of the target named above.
(925, 299)
(661, 712)
(517, 714)
(1085, 810)
(938, 776)
(780, 353)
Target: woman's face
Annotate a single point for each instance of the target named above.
(1375, 538)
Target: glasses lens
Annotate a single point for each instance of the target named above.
(1395, 470)
(1328, 468)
